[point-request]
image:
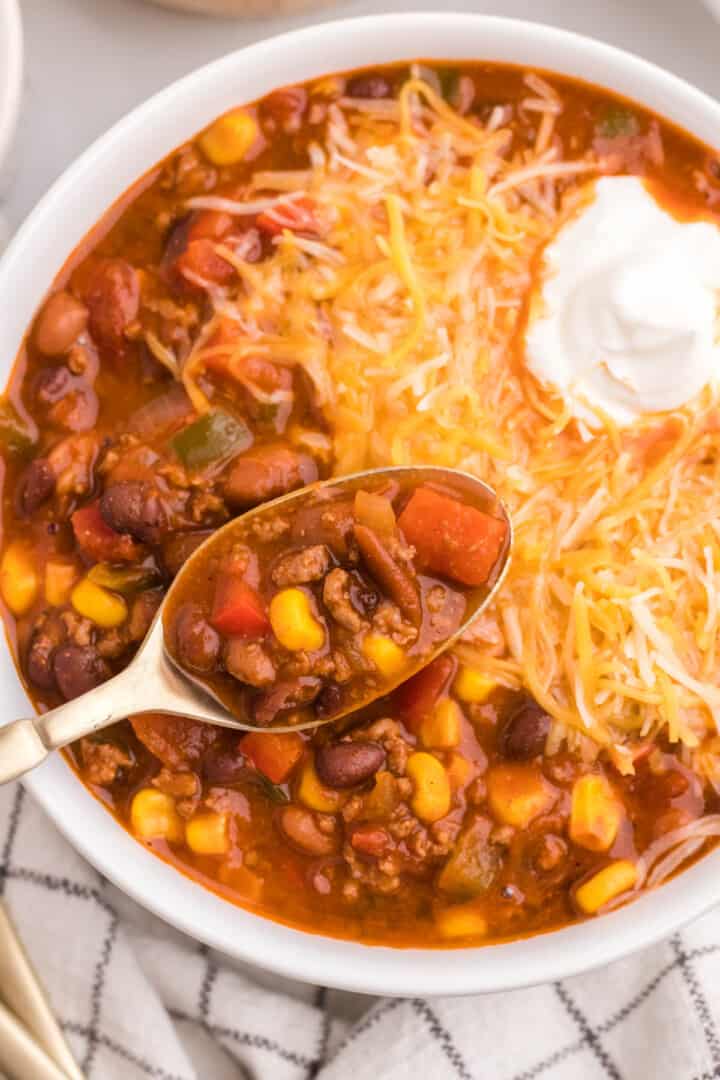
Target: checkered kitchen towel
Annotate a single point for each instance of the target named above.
(138, 1000)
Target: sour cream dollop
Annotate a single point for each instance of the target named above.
(626, 317)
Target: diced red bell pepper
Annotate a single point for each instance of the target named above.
(452, 538)
(275, 754)
(98, 542)
(297, 216)
(209, 225)
(415, 699)
(200, 260)
(238, 610)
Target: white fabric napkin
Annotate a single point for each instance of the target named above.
(138, 1000)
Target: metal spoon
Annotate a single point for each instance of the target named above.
(153, 682)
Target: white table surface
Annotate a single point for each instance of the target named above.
(89, 61)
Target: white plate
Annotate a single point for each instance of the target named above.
(11, 56)
(71, 207)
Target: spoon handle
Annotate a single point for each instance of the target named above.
(24, 744)
(148, 684)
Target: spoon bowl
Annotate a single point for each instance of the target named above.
(156, 681)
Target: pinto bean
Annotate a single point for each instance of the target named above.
(134, 507)
(113, 300)
(287, 694)
(524, 734)
(249, 662)
(395, 579)
(347, 764)
(370, 840)
(198, 644)
(300, 828)
(35, 485)
(266, 472)
(59, 324)
(78, 668)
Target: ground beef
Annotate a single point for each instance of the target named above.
(302, 567)
(102, 761)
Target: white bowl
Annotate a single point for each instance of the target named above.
(11, 54)
(59, 222)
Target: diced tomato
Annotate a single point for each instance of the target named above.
(98, 541)
(238, 610)
(297, 216)
(209, 225)
(274, 753)
(452, 538)
(201, 260)
(256, 369)
(415, 699)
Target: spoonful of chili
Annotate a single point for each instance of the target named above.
(303, 609)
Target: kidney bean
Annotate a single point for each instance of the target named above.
(368, 86)
(133, 507)
(370, 840)
(224, 764)
(59, 324)
(78, 668)
(198, 644)
(178, 547)
(524, 734)
(35, 484)
(300, 828)
(113, 301)
(397, 581)
(266, 472)
(347, 764)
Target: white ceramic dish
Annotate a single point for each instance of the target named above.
(11, 63)
(69, 209)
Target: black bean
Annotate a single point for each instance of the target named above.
(524, 733)
(368, 86)
(347, 764)
(78, 668)
(197, 643)
(35, 485)
(135, 508)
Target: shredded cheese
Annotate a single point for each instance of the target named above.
(407, 311)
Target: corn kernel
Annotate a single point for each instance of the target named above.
(59, 580)
(595, 814)
(207, 834)
(441, 730)
(460, 771)
(461, 920)
(315, 795)
(293, 621)
(432, 797)
(387, 657)
(18, 578)
(517, 794)
(103, 607)
(605, 885)
(228, 139)
(153, 816)
(472, 686)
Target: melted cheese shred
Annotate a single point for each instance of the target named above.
(407, 311)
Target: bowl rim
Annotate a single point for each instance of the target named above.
(12, 72)
(46, 238)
